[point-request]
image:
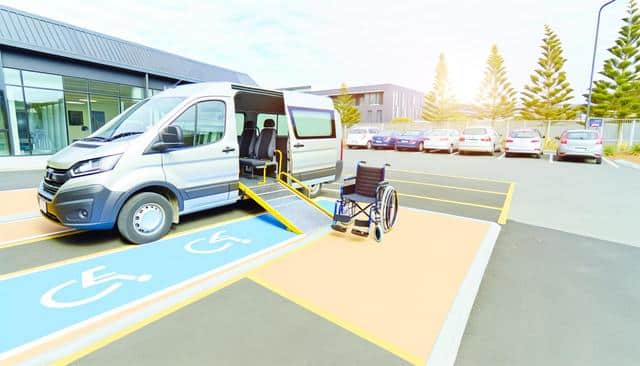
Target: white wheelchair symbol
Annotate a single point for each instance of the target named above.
(216, 238)
(89, 279)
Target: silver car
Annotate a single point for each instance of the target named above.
(580, 143)
(525, 141)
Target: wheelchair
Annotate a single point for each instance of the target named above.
(370, 194)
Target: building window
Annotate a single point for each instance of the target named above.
(357, 100)
(46, 132)
(12, 76)
(78, 121)
(378, 116)
(40, 80)
(373, 98)
(4, 132)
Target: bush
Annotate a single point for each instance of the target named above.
(609, 150)
(550, 144)
(635, 149)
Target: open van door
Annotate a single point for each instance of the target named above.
(314, 138)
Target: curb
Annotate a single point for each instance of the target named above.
(628, 164)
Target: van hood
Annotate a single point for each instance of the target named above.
(84, 150)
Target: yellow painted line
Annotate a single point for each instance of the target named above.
(504, 214)
(39, 238)
(448, 176)
(450, 201)
(415, 360)
(445, 186)
(141, 324)
(114, 250)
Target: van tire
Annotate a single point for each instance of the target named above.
(315, 189)
(139, 204)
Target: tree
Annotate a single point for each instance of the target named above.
(618, 94)
(496, 96)
(345, 105)
(546, 95)
(439, 103)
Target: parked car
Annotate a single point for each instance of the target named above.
(442, 139)
(479, 139)
(580, 143)
(361, 137)
(385, 140)
(411, 140)
(525, 141)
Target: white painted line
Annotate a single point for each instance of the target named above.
(551, 155)
(20, 217)
(501, 156)
(610, 162)
(455, 153)
(445, 349)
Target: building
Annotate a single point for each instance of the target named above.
(59, 83)
(383, 102)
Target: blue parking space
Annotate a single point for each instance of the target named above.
(40, 303)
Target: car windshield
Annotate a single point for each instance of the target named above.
(439, 133)
(358, 131)
(582, 135)
(412, 133)
(474, 131)
(137, 119)
(523, 134)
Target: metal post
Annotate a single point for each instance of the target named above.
(147, 92)
(632, 133)
(593, 63)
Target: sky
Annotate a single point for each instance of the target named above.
(325, 43)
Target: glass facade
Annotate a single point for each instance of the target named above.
(46, 112)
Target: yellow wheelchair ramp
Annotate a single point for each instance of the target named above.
(293, 209)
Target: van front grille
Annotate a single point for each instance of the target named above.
(53, 179)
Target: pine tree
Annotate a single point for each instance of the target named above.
(496, 97)
(345, 105)
(439, 103)
(546, 95)
(618, 94)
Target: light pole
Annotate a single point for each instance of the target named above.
(593, 62)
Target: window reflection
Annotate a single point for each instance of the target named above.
(78, 121)
(46, 120)
(103, 109)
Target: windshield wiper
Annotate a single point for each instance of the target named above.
(94, 138)
(124, 134)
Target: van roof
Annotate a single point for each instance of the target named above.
(217, 88)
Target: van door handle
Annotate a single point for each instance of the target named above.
(298, 145)
(228, 149)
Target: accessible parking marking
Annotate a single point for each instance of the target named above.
(50, 300)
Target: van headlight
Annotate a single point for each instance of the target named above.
(93, 166)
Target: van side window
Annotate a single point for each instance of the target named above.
(187, 121)
(202, 123)
(209, 122)
(281, 122)
(239, 123)
(312, 123)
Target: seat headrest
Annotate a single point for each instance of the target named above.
(249, 124)
(269, 123)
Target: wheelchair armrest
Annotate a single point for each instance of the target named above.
(348, 178)
(348, 188)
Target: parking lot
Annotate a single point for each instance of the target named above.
(559, 232)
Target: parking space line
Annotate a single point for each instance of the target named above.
(504, 214)
(551, 155)
(501, 156)
(456, 153)
(136, 326)
(445, 186)
(415, 360)
(448, 176)
(610, 162)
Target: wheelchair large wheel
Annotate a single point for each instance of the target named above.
(388, 208)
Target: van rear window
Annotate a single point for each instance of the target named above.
(312, 123)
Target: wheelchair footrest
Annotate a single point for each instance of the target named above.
(362, 223)
(342, 218)
(359, 232)
(339, 227)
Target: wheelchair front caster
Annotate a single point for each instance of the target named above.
(378, 233)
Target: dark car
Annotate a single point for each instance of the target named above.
(411, 140)
(384, 140)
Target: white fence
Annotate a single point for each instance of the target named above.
(628, 134)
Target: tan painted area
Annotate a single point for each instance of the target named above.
(18, 202)
(25, 229)
(399, 292)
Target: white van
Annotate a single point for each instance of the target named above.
(182, 151)
(361, 136)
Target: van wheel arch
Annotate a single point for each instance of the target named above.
(166, 192)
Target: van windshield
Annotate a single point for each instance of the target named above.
(137, 119)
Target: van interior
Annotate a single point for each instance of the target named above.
(261, 119)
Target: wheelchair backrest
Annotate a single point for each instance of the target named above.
(367, 179)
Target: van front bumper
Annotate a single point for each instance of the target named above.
(92, 207)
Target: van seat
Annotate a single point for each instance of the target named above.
(248, 139)
(264, 147)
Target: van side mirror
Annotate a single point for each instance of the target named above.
(170, 137)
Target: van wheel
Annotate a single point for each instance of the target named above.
(314, 190)
(145, 217)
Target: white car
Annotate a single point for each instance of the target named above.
(361, 136)
(525, 141)
(442, 139)
(479, 139)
